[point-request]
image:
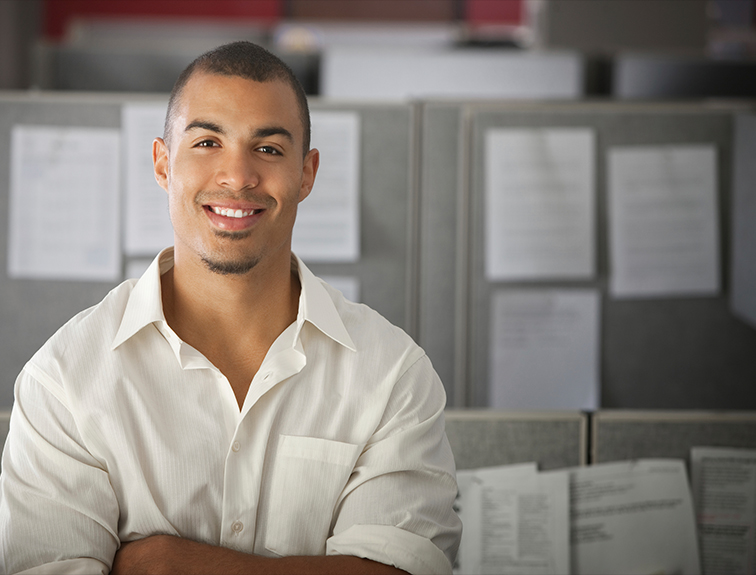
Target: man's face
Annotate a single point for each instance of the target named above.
(234, 172)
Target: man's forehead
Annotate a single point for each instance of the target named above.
(200, 83)
(207, 93)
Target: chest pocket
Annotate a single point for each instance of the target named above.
(308, 476)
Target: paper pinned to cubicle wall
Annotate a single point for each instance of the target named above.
(147, 224)
(328, 220)
(64, 217)
(663, 221)
(544, 350)
(540, 203)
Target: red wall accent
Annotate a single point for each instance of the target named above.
(57, 13)
(495, 12)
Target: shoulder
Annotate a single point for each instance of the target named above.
(87, 333)
(375, 338)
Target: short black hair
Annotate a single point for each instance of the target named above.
(246, 60)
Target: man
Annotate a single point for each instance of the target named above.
(229, 412)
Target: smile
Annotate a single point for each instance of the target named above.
(231, 213)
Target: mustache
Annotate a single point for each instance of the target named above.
(204, 197)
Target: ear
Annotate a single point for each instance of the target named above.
(309, 171)
(160, 162)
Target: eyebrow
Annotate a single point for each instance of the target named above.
(264, 132)
(273, 131)
(205, 125)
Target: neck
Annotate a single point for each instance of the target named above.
(231, 319)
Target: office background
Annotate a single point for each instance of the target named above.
(636, 73)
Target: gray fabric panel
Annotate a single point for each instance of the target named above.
(664, 353)
(494, 439)
(386, 198)
(616, 440)
(32, 310)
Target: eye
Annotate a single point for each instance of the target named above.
(269, 150)
(205, 144)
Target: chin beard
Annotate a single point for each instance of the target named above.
(231, 267)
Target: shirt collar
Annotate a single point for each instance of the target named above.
(145, 305)
(317, 307)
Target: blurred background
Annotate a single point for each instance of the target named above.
(417, 103)
(141, 45)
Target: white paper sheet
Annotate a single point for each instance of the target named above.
(632, 517)
(544, 350)
(348, 285)
(514, 521)
(663, 221)
(64, 204)
(540, 204)
(328, 221)
(724, 489)
(147, 223)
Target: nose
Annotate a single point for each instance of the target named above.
(237, 170)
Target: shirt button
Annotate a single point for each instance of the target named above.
(236, 446)
(237, 526)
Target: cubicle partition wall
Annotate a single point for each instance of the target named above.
(442, 241)
(669, 349)
(485, 438)
(621, 435)
(423, 260)
(32, 310)
(386, 270)
(380, 272)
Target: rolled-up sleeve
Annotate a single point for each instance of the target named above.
(58, 511)
(397, 507)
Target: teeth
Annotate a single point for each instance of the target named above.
(229, 213)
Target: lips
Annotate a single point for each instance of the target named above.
(233, 213)
(233, 218)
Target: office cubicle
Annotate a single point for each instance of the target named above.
(383, 270)
(671, 351)
(485, 438)
(618, 435)
(422, 250)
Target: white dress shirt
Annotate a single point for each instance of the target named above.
(120, 430)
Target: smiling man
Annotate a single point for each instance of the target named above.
(229, 412)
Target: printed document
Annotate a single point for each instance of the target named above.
(515, 521)
(724, 489)
(148, 225)
(540, 203)
(328, 220)
(632, 517)
(663, 221)
(64, 216)
(544, 349)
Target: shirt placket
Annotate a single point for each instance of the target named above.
(247, 454)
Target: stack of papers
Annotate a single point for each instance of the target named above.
(625, 517)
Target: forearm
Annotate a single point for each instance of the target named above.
(163, 554)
